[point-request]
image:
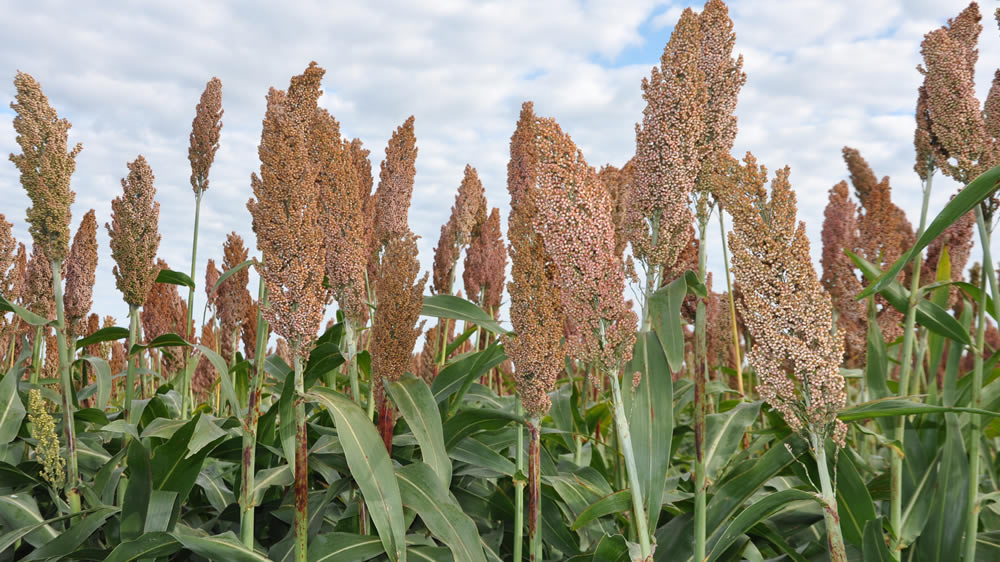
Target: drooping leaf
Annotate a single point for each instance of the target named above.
(147, 547)
(941, 537)
(111, 333)
(617, 502)
(226, 546)
(24, 314)
(175, 278)
(415, 401)
(665, 312)
(344, 547)
(12, 410)
(449, 306)
(874, 547)
(755, 513)
(140, 487)
(422, 491)
(370, 465)
(724, 432)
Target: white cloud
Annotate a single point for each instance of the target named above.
(128, 75)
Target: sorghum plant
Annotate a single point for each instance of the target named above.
(45, 167)
(796, 352)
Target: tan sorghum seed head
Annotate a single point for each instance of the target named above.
(164, 312)
(840, 232)
(575, 222)
(956, 121)
(667, 142)
(233, 301)
(43, 428)
(485, 263)
(432, 349)
(36, 291)
(958, 239)
(286, 212)
(134, 233)
(618, 183)
(205, 134)
(400, 299)
(344, 190)
(795, 354)
(8, 260)
(446, 255)
(536, 349)
(204, 373)
(93, 325)
(395, 184)
(81, 266)
(467, 215)
(45, 166)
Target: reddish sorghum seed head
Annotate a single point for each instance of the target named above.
(723, 78)
(205, 130)
(164, 312)
(233, 301)
(344, 188)
(400, 300)
(286, 212)
(45, 166)
(536, 348)
(212, 275)
(134, 233)
(618, 183)
(81, 266)
(395, 184)
(485, 263)
(204, 373)
(446, 255)
(467, 216)
(795, 353)
(36, 291)
(840, 232)
(8, 259)
(575, 222)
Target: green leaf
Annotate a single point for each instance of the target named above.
(941, 537)
(370, 465)
(854, 503)
(929, 315)
(475, 420)
(877, 359)
(473, 366)
(264, 479)
(29, 317)
(173, 470)
(137, 494)
(758, 511)
(665, 312)
(874, 547)
(174, 278)
(651, 419)
(166, 340)
(71, 539)
(724, 432)
(476, 453)
(966, 200)
(148, 546)
(344, 547)
(414, 399)
(102, 374)
(448, 306)
(422, 491)
(901, 407)
(111, 333)
(11, 408)
(20, 510)
(618, 502)
(9, 539)
(226, 546)
(230, 272)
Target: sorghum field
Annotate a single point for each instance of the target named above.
(851, 413)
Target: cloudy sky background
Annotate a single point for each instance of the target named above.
(821, 75)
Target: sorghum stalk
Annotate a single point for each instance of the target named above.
(73, 470)
(625, 438)
(190, 364)
(133, 335)
(700, 372)
(896, 466)
(732, 307)
(301, 466)
(534, 491)
(975, 430)
(253, 417)
(835, 539)
(36, 355)
(519, 489)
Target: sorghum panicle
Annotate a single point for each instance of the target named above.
(134, 233)
(45, 166)
(286, 212)
(233, 300)
(81, 266)
(795, 353)
(485, 263)
(395, 330)
(36, 291)
(43, 428)
(164, 312)
(840, 232)
(205, 130)
(395, 184)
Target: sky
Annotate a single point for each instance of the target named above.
(820, 75)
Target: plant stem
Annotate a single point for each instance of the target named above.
(351, 342)
(700, 379)
(653, 272)
(36, 355)
(896, 466)
(638, 512)
(72, 470)
(133, 335)
(301, 463)
(519, 490)
(188, 364)
(732, 306)
(250, 429)
(534, 491)
(975, 429)
(835, 539)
